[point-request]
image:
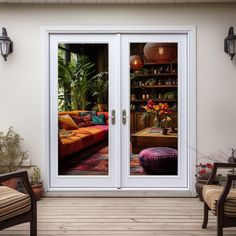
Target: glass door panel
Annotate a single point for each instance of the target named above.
(153, 75)
(83, 109)
(83, 119)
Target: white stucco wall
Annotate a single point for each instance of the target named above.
(21, 78)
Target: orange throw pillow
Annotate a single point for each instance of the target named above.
(66, 122)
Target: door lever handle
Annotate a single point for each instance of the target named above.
(113, 117)
(124, 117)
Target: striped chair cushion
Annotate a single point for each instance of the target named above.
(211, 194)
(13, 203)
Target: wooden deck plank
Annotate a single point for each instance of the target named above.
(120, 216)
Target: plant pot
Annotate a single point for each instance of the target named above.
(172, 130)
(101, 107)
(164, 131)
(38, 190)
(11, 183)
(200, 183)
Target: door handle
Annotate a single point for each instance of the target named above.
(124, 117)
(113, 117)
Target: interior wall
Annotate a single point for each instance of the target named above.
(22, 78)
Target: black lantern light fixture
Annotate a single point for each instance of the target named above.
(230, 43)
(6, 45)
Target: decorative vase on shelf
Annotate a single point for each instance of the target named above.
(101, 107)
(172, 130)
(164, 131)
(156, 122)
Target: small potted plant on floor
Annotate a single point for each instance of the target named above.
(11, 155)
(203, 174)
(36, 183)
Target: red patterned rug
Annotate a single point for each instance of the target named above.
(94, 161)
(91, 161)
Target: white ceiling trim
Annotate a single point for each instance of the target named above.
(118, 1)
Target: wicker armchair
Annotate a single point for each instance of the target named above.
(16, 207)
(220, 200)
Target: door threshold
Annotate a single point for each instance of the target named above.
(124, 192)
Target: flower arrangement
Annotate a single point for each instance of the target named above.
(161, 112)
(204, 170)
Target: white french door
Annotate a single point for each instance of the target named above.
(180, 179)
(120, 151)
(110, 179)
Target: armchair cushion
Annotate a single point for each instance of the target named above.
(211, 194)
(13, 203)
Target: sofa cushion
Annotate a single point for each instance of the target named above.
(106, 115)
(66, 122)
(85, 113)
(84, 121)
(82, 138)
(211, 194)
(76, 118)
(13, 203)
(99, 120)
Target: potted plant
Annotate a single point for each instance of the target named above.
(100, 90)
(36, 183)
(203, 174)
(11, 154)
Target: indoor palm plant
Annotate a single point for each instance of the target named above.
(11, 154)
(100, 90)
(77, 79)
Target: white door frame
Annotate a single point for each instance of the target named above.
(190, 32)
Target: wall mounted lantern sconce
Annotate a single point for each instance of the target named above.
(6, 45)
(230, 43)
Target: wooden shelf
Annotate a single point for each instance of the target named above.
(154, 86)
(155, 75)
(163, 63)
(154, 100)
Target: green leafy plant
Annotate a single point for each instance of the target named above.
(100, 87)
(11, 153)
(66, 76)
(77, 81)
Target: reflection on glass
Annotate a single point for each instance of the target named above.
(83, 109)
(153, 108)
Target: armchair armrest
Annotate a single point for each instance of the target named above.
(25, 180)
(224, 194)
(217, 165)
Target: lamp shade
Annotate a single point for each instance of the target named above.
(160, 52)
(136, 62)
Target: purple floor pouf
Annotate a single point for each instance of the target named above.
(159, 160)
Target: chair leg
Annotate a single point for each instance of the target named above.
(33, 227)
(219, 225)
(33, 222)
(205, 220)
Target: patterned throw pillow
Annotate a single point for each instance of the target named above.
(85, 121)
(99, 120)
(76, 118)
(66, 122)
(85, 113)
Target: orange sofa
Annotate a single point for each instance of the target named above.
(72, 141)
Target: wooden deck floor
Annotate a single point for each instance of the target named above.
(120, 216)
